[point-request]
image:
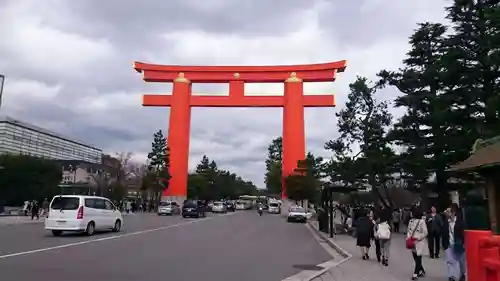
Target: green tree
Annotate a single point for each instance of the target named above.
(473, 64)
(305, 183)
(26, 178)
(314, 166)
(159, 163)
(207, 173)
(363, 122)
(273, 177)
(422, 130)
(300, 187)
(209, 182)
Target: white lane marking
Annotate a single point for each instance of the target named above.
(107, 238)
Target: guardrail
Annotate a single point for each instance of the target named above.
(482, 255)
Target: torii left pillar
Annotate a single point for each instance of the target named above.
(178, 137)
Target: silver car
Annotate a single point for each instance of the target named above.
(219, 207)
(168, 208)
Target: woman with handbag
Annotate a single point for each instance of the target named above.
(415, 241)
(453, 243)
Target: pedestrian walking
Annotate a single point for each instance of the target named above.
(35, 208)
(396, 220)
(377, 215)
(45, 207)
(406, 216)
(453, 243)
(364, 234)
(434, 227)
(383, 235)
(415, 241)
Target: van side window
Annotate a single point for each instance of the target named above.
(108, 205)
(100, 204)
(90, 203)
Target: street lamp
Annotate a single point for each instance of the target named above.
(2, 79)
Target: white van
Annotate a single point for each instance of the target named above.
(82, 214)
(274, 208)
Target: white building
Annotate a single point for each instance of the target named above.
(23, 138)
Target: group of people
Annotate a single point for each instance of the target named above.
(424, 231)
(33, 207)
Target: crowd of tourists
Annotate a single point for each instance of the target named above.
(425, 233)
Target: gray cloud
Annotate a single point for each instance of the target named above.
(69, 65)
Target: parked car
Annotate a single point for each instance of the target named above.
(193, 209)
(169, 208)
(230, 206)
(219, 207)
(79, 213)
(297, 214)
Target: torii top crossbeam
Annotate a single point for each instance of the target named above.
(323, 72)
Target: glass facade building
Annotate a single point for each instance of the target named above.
(23, 138)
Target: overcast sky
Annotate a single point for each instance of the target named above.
(68, 65)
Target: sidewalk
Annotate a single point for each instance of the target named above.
(400, 263)
(16, 220)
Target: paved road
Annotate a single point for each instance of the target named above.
(240, 246)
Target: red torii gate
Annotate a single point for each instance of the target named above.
(181, 100)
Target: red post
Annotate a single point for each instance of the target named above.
(293, 127)
(473, 254)
(178, 137)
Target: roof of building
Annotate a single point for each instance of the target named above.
(6, 119)
(485, 154)
(77, 163)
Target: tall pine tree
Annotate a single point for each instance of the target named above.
(159, 163)
(421, 131)
(363, 122)
(273, 166)
(474, 64)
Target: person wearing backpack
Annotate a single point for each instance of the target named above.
(415, 240)
(383, 235)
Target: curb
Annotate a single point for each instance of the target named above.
(329, 264)
(330, 242)
(322, 239)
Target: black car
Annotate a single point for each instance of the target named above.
(230, 206)
(193, 209)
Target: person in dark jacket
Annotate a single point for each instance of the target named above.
(453, 239)
(35, 208)
(434, 227)
(364, 233)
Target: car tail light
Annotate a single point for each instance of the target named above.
(79, 215)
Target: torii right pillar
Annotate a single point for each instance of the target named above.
(294, 141)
